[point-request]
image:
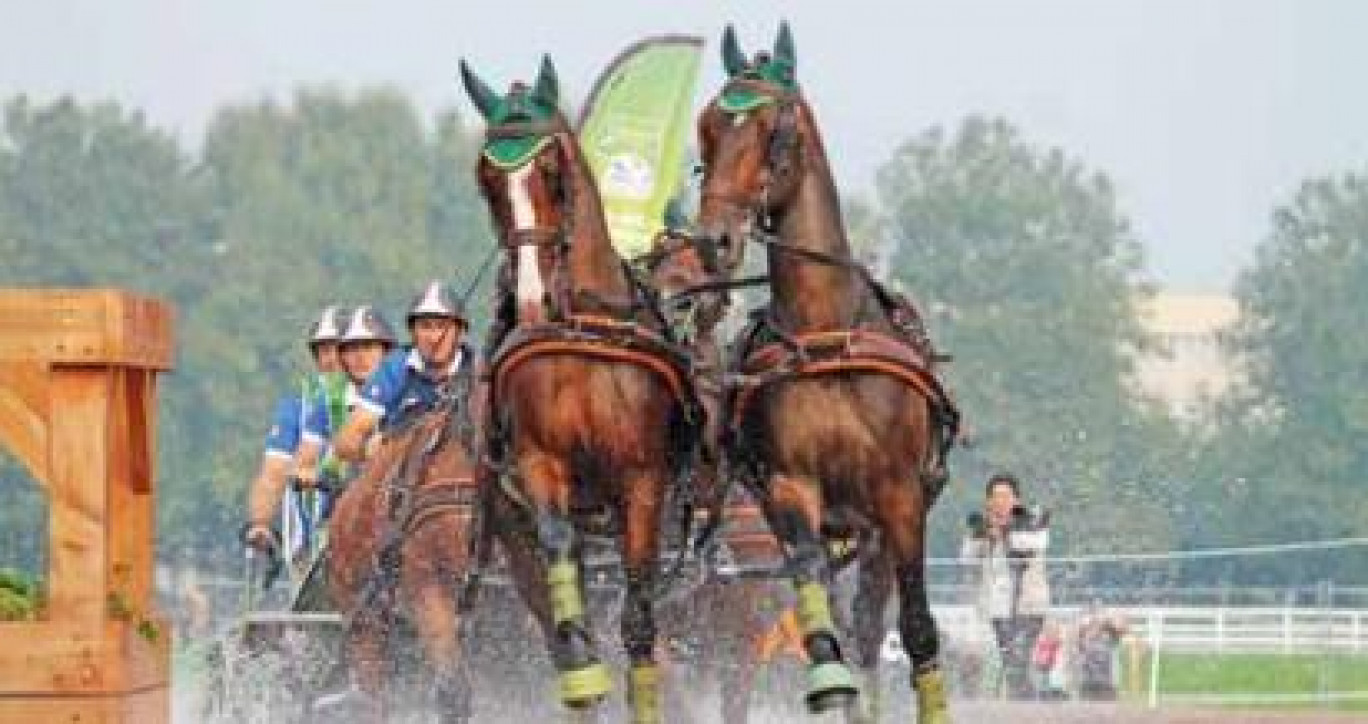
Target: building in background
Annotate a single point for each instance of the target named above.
(1190, 364)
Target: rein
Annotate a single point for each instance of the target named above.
(880, 291)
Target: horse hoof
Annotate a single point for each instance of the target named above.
(830, 686)
(584, 687)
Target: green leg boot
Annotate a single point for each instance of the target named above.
(584, 680)
(644, 694)
(932, 707)
(830, 685)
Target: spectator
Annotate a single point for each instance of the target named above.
(1047, 662)
(1099, 637)
(1007, 542)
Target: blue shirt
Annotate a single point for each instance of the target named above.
(286, 425)
(404, 381)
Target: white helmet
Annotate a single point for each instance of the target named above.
(328, 326)
(366, 325)
(435, 301)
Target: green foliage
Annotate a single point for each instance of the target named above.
(1029, 275)
(88, 196)
(1290, 450)
(21, 597)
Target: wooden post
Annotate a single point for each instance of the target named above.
(78, 375)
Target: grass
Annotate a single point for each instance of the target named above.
(1260, 675)
(20, 596)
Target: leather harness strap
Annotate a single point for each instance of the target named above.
(838, 352)
(601, 337)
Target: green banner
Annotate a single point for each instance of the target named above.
(635, 130)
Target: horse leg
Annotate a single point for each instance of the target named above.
(903, 521)
(434, 613)
(364, 640)
(795, 516)
(365, 701)
(584, 680)
(641, 552)
(871, 600)
(739, 626)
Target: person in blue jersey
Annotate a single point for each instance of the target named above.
(366, 340)
(412, 378)
(282, 440)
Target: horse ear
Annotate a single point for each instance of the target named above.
(484, 99)
(548, 88)
(783, 46)
(733, 60)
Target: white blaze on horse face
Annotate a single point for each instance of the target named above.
(531, 289)
(524, 214)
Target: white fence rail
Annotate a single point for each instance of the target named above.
(1210, 629)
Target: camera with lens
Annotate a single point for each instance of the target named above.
(1029, 517)
(977, 525)
(1029, 531)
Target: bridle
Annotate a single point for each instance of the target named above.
(555, 238)
(784, 163)
(783, 150)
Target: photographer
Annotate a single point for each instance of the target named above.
(1006, 545)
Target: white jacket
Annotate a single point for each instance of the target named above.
(993, 567)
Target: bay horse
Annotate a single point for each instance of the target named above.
(838, 419)
(592, 410)
(400, 549)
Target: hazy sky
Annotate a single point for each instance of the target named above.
(1205, 112)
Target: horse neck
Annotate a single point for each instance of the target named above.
(594, 264)
(450, 460)
(810, 295)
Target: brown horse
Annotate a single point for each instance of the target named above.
(839, 416)
(591, 405)
(400, 544)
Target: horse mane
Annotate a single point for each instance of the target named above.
(814, 214)
(594, 262)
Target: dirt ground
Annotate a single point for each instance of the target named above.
(1079, 713)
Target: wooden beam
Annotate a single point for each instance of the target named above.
(77, 405)
(24, 413)
(85, 326)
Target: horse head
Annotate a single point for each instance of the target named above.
(681, 265)
(522, 173)
(752, 137)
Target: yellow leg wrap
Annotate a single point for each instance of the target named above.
(814, 613)
(583, 687)
(931, 701)
(566, 604)
(644, 683)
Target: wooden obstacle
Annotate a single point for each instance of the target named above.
(78, 372)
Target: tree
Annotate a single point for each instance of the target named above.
(1029, 275)
(1292, 435)
(88, 195)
